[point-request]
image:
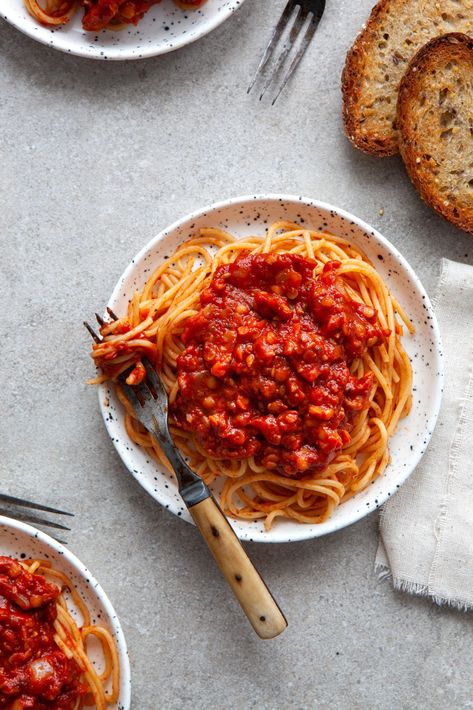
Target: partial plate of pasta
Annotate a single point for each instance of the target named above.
(290, 336)
(162, 25)
(81, 659)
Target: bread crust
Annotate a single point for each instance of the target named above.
(427, 167)
(353, 72)
(374, 65)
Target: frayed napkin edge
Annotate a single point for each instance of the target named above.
(381, 567)
(384, 574)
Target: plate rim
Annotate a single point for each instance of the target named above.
(281, 198)
(94, 585)
(144, 53)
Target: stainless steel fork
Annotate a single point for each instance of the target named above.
(300, 19)
(150, 404)
(29, 512)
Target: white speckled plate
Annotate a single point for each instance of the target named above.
(164, 28)
(251, 215)
(23, 541)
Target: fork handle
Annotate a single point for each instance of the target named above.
(249, 588)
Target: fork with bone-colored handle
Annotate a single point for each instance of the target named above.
(150, 403)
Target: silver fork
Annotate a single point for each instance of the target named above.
(26, 511)
(150, 403)
(300, 18)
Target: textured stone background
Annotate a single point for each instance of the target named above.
(96, 158)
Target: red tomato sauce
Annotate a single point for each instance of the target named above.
(34, 672)
(100, 13)
(265, 371)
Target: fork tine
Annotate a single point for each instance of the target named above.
(309, 33)
(31, 518)
(297, 26)
(29, 504)
(99, 320)
(144, 391)
(153, 378)
(130, 394)
(92, 332)
(275, 37)
(111, 314)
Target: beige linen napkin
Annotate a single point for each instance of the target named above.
(426, 542)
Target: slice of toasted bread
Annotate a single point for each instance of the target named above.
(395, 31)
(435, 119)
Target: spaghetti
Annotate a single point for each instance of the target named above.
(43, 653)
(283, 362)
(98, 14)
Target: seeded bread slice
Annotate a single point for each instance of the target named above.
(395, 31)
(435, 119)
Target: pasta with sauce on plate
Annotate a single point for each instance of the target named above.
(283, 362)
(98, 14)
(43, 652)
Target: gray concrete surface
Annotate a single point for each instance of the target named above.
(95, 158)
